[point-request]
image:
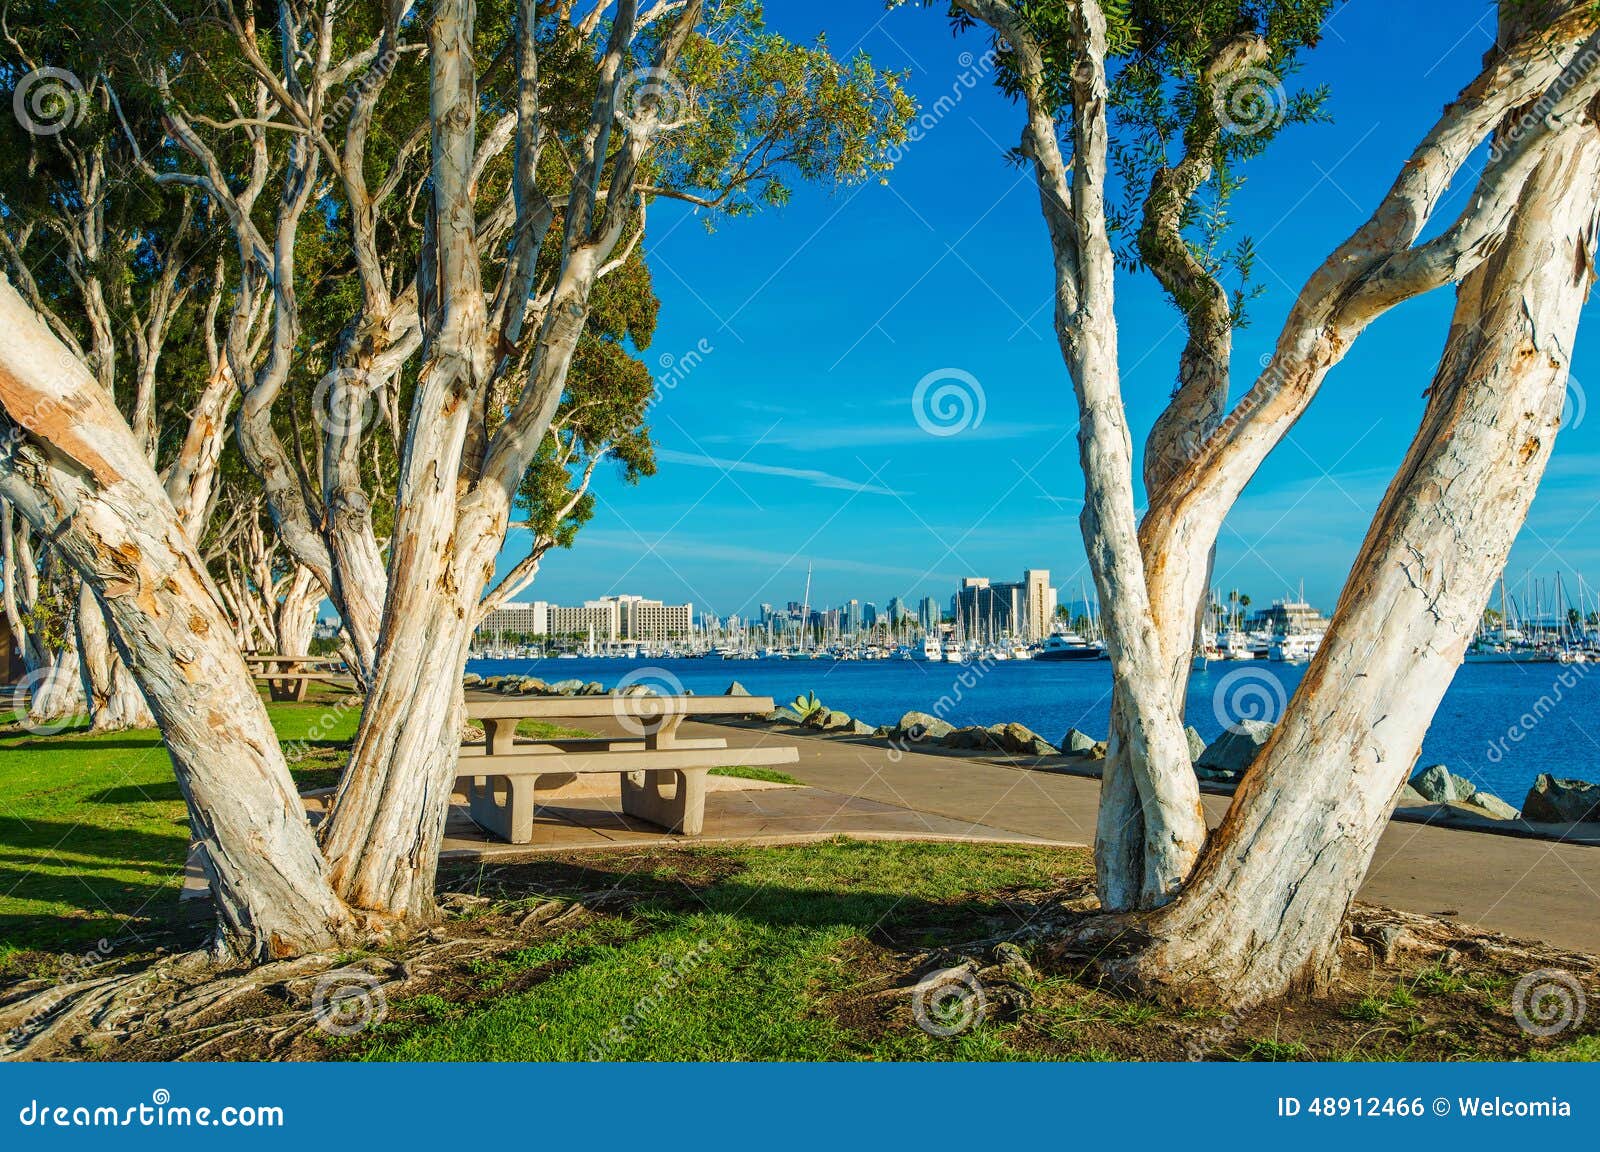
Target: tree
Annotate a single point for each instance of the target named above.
(593, 117)
(112, 270)
(72, 466)
(1152, 575)
(465, 462)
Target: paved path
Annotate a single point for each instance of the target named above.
(1529, 888)
(1522, 887)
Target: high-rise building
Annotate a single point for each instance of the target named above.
(641, 619)
(869, 615)
(597, 620)
(1022, 610)
(928, 615)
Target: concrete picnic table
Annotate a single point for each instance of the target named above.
(663, 776)
(287, 677)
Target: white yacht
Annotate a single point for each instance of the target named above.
(1295, 647)
(1069, 646)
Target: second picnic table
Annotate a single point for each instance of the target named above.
(663, 775)
(287, 677)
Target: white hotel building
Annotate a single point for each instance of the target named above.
(608, 619)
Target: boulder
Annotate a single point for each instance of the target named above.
(593, 688)
(921, 726)
(1076, 743)
(1411, 798)
(736, 689)
(565, 688)
(471, 680)
(1439, 785)
(1233, 751)
(1490, 805)
(835, 721)
(1019, 740)
(1555, 801)
(635, 690)
(969, 738)
(531, 685)
(1197, 743)
(862, 728)
(782, 714)
(883, 732)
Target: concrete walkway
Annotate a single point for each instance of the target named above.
(1528, 888)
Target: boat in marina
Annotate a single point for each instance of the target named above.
(1294, 647)
(1069, 646)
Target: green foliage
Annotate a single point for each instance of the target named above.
(806, 706)
(758, 112)
(1169, 98)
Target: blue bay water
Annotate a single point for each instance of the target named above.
(1500, 725)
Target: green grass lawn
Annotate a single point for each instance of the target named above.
(681, 952)
(93, 833)
(725, 953)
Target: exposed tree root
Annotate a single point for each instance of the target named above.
(192, 1006)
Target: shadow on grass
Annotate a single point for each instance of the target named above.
(165, 791)
(893, 917)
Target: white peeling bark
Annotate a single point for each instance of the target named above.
(115, 702)
(1263, 913)
(457, 482)
(59, 695)
(1150, 740)
(72, 466)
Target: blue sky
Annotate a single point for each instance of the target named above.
(793, 439)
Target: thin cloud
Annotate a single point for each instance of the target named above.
(881, 434)
(810, 475)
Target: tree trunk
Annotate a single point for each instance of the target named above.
(74, 469)
(1151, 735)
(58, 695)
(296, 619)
(115, 702)
(1263, 913)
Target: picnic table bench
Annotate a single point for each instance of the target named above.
(663, 775)
(288, 677)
